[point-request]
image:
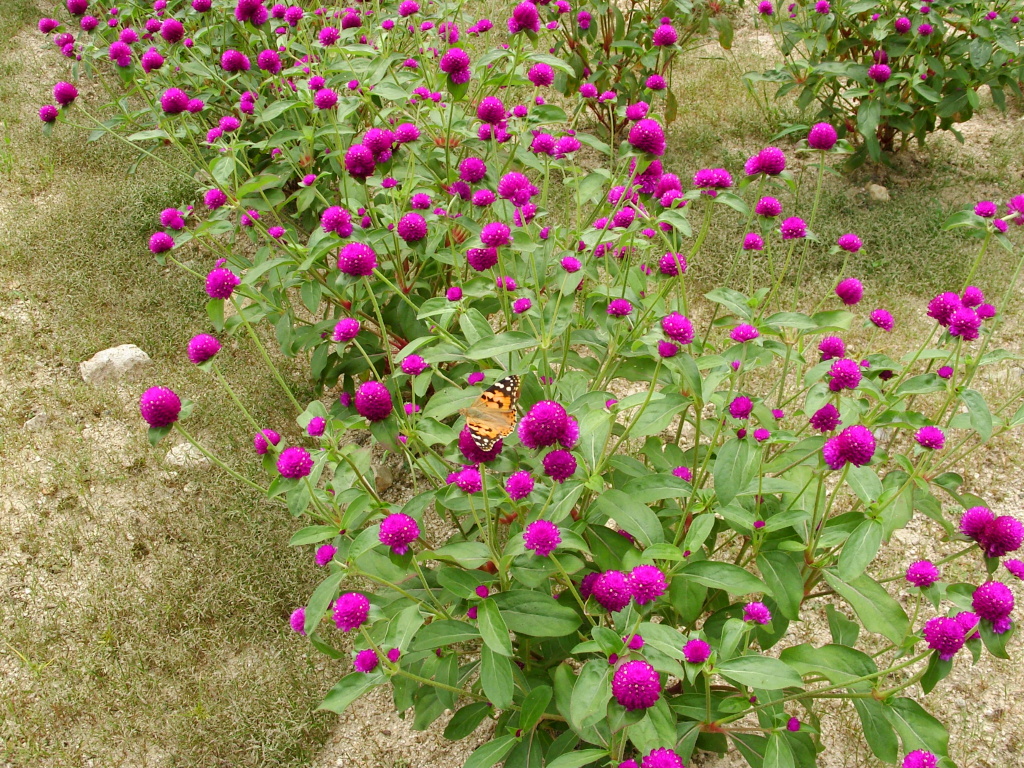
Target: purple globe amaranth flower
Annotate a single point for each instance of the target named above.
(710, 179)
(473, 453)
(743, 333)
(696, 651)
(524, 18)
(741, 407)
(472, 170)
(986, 311)
(357, 259)
(542, 537)
(880, 73)
(831, 347)
(757, 613)
(413, 365)
(881, 318)
(612, 590)
(160, 242)
(822, 136)
(174, 101)
(519, 485)
(159, 407)
(993, 601)
(325, 554)
(637, 111)
(770, 161)
(263, 439)
(845, 374)
(346, 330)
(769, 207)
(351, 611)
(559, 465)
(972, 296)
(919, 758)
(373, 401)
(398, 531)
(667, 349)
(64, 93)
(1002, 536)
(672, 264)
(793, 228)
(1016, 567)
(221, 283)
(482, 259)
(647, 583)
(467, 479)
(944, 372)
(986, 209)
(969, 621)
(944, 635)
(647, 136)
(521, 305)
(965, 323)
(664, 35)
(366, 660)
(636, 685)
(930, 437)
(793, 724)
(234, 61)
(48, 113)
(925, 29)
(752, 241)
(923, 573)
(412, 228)
(974, 522)
(850, 291)
(619, 307)
(826, 418)
(297, 620)
(360, 161)
(214, 198)
(544, 424)
(294, 462)
(541, 75)
(854, 445)
(902, 25)
(678, 328)
(494, 234)
(491, 110)
(454, 293)
(201, 348)
(663, 757)
(943, 307)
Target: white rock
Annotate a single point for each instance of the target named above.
(37, 422)
(113, 364)
(878, 192)
(186, 455)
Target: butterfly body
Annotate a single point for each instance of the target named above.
(493, 416)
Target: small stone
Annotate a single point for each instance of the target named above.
(878, 193)
(384, 479)
(187, 456)
(192, 487)
(37, 422)
(113, 364)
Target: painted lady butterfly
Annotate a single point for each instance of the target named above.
(493, 415)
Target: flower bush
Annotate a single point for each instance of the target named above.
(883, 72)
(611, 580)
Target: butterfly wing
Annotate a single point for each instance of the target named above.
(493, 415)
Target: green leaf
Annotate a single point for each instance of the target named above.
(533, 707)
(156, 434)
(782, 575)
(466, 720)
(348, 689)
(727, 576)
(468, 554)
(215, 311)
(843, 631)
(313, 534)
(591, 694)
(778, 753)
(877, 732)
(496, 678)
(981, 417)
(996, 644)
(531, 613)
(865, 483)
(321, 600)
(732, 300)
(656, 729)
(733, 469)
(917, 728)
(595, 428)
(632, 516)
(859, 550)
(838, 663)
(492, 628)
(578, 758)
(875, 608)
(438, 634)
(759, 672)
(490, 753)
(501, 344)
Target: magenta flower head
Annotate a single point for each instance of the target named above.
(346, 330)
(881, 318)
(559, 465)
(647, 136)
(1002, 536)
(174, 101)
(770, 161)
(965, 323)
(202, 348)
(524, 18)
(757, 613)
(902, 25)
(974, 522)
(741, 407)
(360, 161)
(357, 259)
(993, 601)
(923, 573)
(373, 401)
(831, 347)
(931, 438)
(769, 207)
(64, 93)
(541, 75)
(455, 64)
(696, 651)
(636, 685)
(826, 418)
(214, 198)
(752, 241)
(678, 328)
(969, 621)
(544, 424)
(1016, 567)
(473, 453)
(849, 243)
(48, 113)
(221, 283)
(743, 333)
(160, 242)
(879, 73)
(263, 439)
(482, 259)
(664, 35)
(294, 462)
(325, 98)
(850, 291)
(845, 374)
(234, 61)
(619, 307)
(761, 435)
(494, 234)
(542, 537)
(822, 136)
(491, 110)
(398, 531)
(920, 758)
(297, 620)
(612, 591)
(944, 306)
(325, 554)
(350, 611)
(672, 264)
(854, 445)
(316, 426)
(414, 365)
(468, 480)
(519, 485)
(159, 407)
(793, 228)
(647, 583)
(663, 757)
(944, 635)
(366, 661)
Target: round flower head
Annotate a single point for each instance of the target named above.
(48, 113)
(972, 296)
(298, 620)
(647, 136)
(346, 330)
(678, 328)
(845, 374)
(521, 305)
(880, 318)
(612, 590)
(743, 333)
(1002, 536)
(159, 407)
(541, 75)
(710, 179)
(930, 437)
(543, 425)
(325, 554)
(636, 685)
(366, 660)
(944, 372)
(398, 531)
(923, 573)
(741, 407)
(826, 418)
(359, 161)
(221, 283)
(174, 101)
(849, 243)
(769, 207)
(854, 445)
(263, 439)
(619, 307)
(919, 758)
(757, 613)
(468, 480)
(793, 228)
(454, 293)
(234, 61)
(214, 198)
(412, 228)
(696, 651)
(667, 349)
(64, 93)
(519, 485)
(647, 583)
(414, 365)
(160, 242)
(373, 401)
(542, 537)
(559, 465)
(294, 462)
(879, 73)
(944, 635)
(472, 452)
(752, 241)
(357, 259)
(822, 136)
(965, 323)
(993, 601)
(524, 18)
(974, 522)
(683, 473)
(482, 259)
(770, 161)
(202, 348)
(491, 110)
(350, 611)
(1016, 567)
(902, 25)
(969, 621)
(662, 757)
(672, 264)
(943, 307)
(831, 347)
(493, 234)
(664, 35)
(850, 291)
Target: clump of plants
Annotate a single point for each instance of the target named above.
(886, 72)
(624, 493)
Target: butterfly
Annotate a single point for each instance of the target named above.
(493, 415)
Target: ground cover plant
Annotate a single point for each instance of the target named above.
(607, 582)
